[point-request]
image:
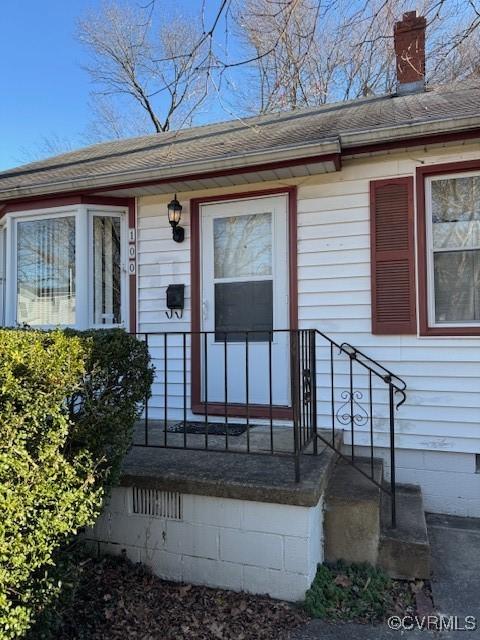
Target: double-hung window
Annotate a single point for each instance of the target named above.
(453, 250)
(66, 268)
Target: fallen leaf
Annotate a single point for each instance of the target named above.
(343, 581)
(417, 586)
(217, 630)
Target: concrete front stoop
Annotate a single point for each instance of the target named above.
(358, 528)
(223, 520)
(404, 552)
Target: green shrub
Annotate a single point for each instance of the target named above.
(67, 407)
(117, 380)
(351, 592)
(44, 497)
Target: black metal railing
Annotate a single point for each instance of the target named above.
(212, 379)
(277, 392)
(370, 395)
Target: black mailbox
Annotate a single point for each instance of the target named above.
(175, 298)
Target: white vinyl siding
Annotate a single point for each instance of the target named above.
(160, 262)
(442, 412)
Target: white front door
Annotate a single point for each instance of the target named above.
(244, 249)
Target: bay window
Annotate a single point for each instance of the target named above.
(453, 250)
(66, 268)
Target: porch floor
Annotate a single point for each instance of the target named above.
(258, 439)
(260, 477)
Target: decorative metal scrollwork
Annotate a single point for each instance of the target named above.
(307, 386)
(351, 410)
(403, 397)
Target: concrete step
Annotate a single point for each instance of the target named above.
(352, 513)
(358, 528)
(404, 552)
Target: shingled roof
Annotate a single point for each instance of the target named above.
(327, 129)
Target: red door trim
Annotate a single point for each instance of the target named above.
(255, 411)
(422, 173)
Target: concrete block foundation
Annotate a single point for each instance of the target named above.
(243, 545)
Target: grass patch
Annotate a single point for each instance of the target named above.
(357, 592)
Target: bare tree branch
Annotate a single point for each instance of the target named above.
(277, 54)
(132, 56)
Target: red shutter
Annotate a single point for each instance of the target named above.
(392, 256)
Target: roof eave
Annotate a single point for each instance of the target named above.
(408, 131)
(354, 143)
(247, 161)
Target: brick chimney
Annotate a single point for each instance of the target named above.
(409, 37)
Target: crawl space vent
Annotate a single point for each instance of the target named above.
(156, 503)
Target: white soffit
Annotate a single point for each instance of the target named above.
(251, 177)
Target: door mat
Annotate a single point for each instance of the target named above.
(214, 428)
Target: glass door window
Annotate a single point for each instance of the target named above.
(243, 277)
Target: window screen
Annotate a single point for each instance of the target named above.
(241, 307)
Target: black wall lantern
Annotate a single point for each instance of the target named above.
(174, 215)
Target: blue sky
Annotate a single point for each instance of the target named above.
(45, 92)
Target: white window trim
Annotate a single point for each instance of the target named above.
(3, 269)
(122, 215)
(83, 256)
(430, 252)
